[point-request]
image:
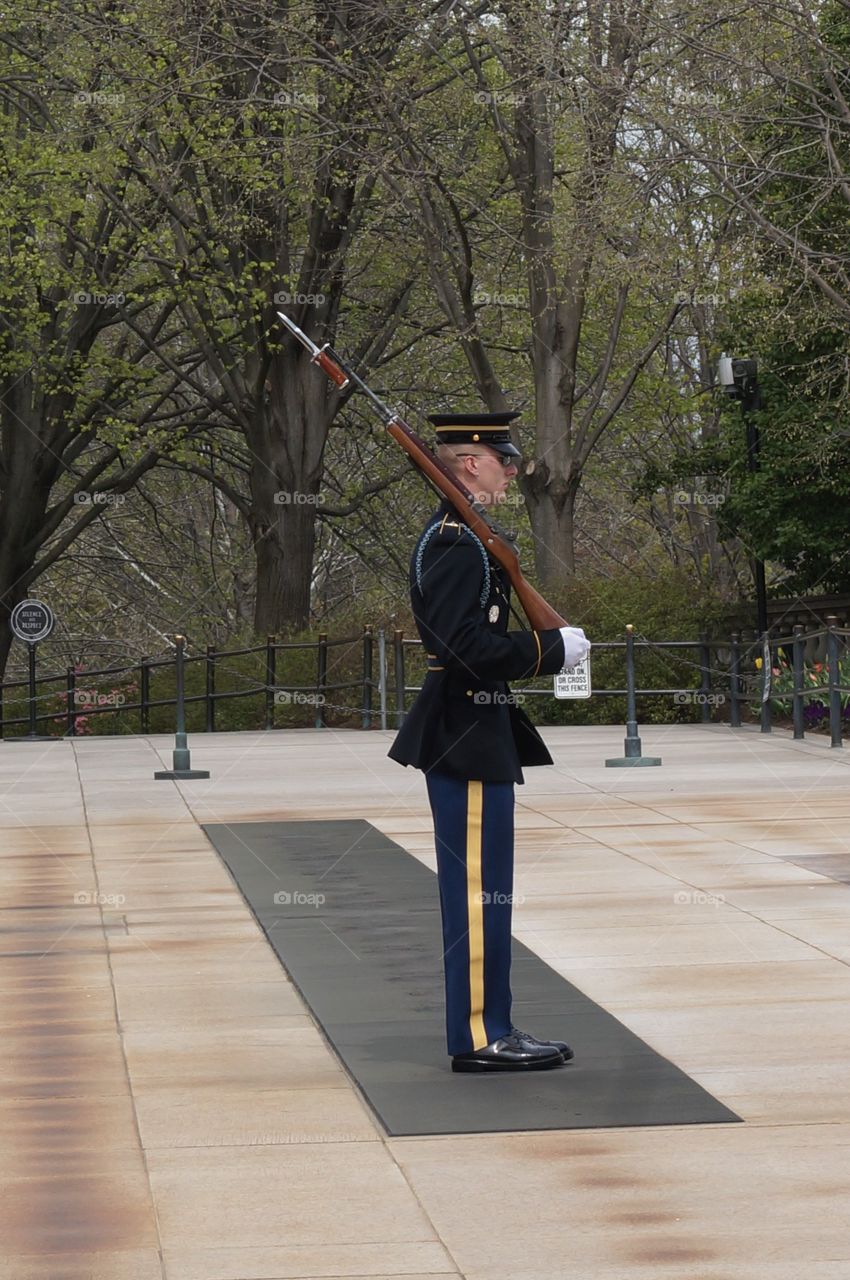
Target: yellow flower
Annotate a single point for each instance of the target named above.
(758, 663)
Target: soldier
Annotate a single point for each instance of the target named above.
(471, 740)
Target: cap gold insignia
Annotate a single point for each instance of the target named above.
(493, 615)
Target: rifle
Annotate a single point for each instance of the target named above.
(497, 540)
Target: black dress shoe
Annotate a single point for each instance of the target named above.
(564, 1049)
(510, 1053)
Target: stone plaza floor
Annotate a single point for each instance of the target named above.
(169, 1107)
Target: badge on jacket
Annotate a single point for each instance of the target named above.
(493, 615)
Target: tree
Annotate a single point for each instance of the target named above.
(542, 183)
(773, 141)
(84, 410)
(262, 154)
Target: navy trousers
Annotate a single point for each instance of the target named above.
(474, 833)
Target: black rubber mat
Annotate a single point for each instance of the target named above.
(355, 921)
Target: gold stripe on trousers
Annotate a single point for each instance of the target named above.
(475, 913)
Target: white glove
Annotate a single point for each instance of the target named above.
(576, 646)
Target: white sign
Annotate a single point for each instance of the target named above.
(574, 682)
(32, 620)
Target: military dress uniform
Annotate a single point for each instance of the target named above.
(472, 740)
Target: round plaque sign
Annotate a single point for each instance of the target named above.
(32, 620)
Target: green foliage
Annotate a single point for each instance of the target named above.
(661, 604)
(816, 697)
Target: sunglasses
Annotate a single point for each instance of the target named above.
(506, 459)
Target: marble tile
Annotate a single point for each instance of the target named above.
(281, 1057)
(704, 1203)
(414, 1261)
(309, 1194)
(247, 1116)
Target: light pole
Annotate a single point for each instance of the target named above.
(739, 379)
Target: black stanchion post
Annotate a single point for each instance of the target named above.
(834, 682)
(182, 764)
(209, 691)
(735, 682)
(271, 676)
(367, 678)
(382, 675)
(32, 697)
(797, 669)
(632, 755)
(705, 679)
(321, 680)
(32, 693)
(145, 695)
(398, 649)
(71, 700)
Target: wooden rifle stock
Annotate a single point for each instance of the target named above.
(541, 615)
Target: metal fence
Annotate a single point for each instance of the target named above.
(737, 672)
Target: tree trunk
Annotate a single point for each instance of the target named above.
(5, 642)
(287, 441)
(285, 569)
(28, 471)
(551, 497)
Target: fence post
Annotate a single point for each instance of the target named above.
(766, 682)
(145, 695)
(834, 682)
(705, 678)
(797, 675)
(632, 741)
(33, 735)
(70, 701)
(181, 762)
(367, 678)
(398, 648)
(735, 682)
(382, 675)
(321, 680)
(209, 692)
(271, 676)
